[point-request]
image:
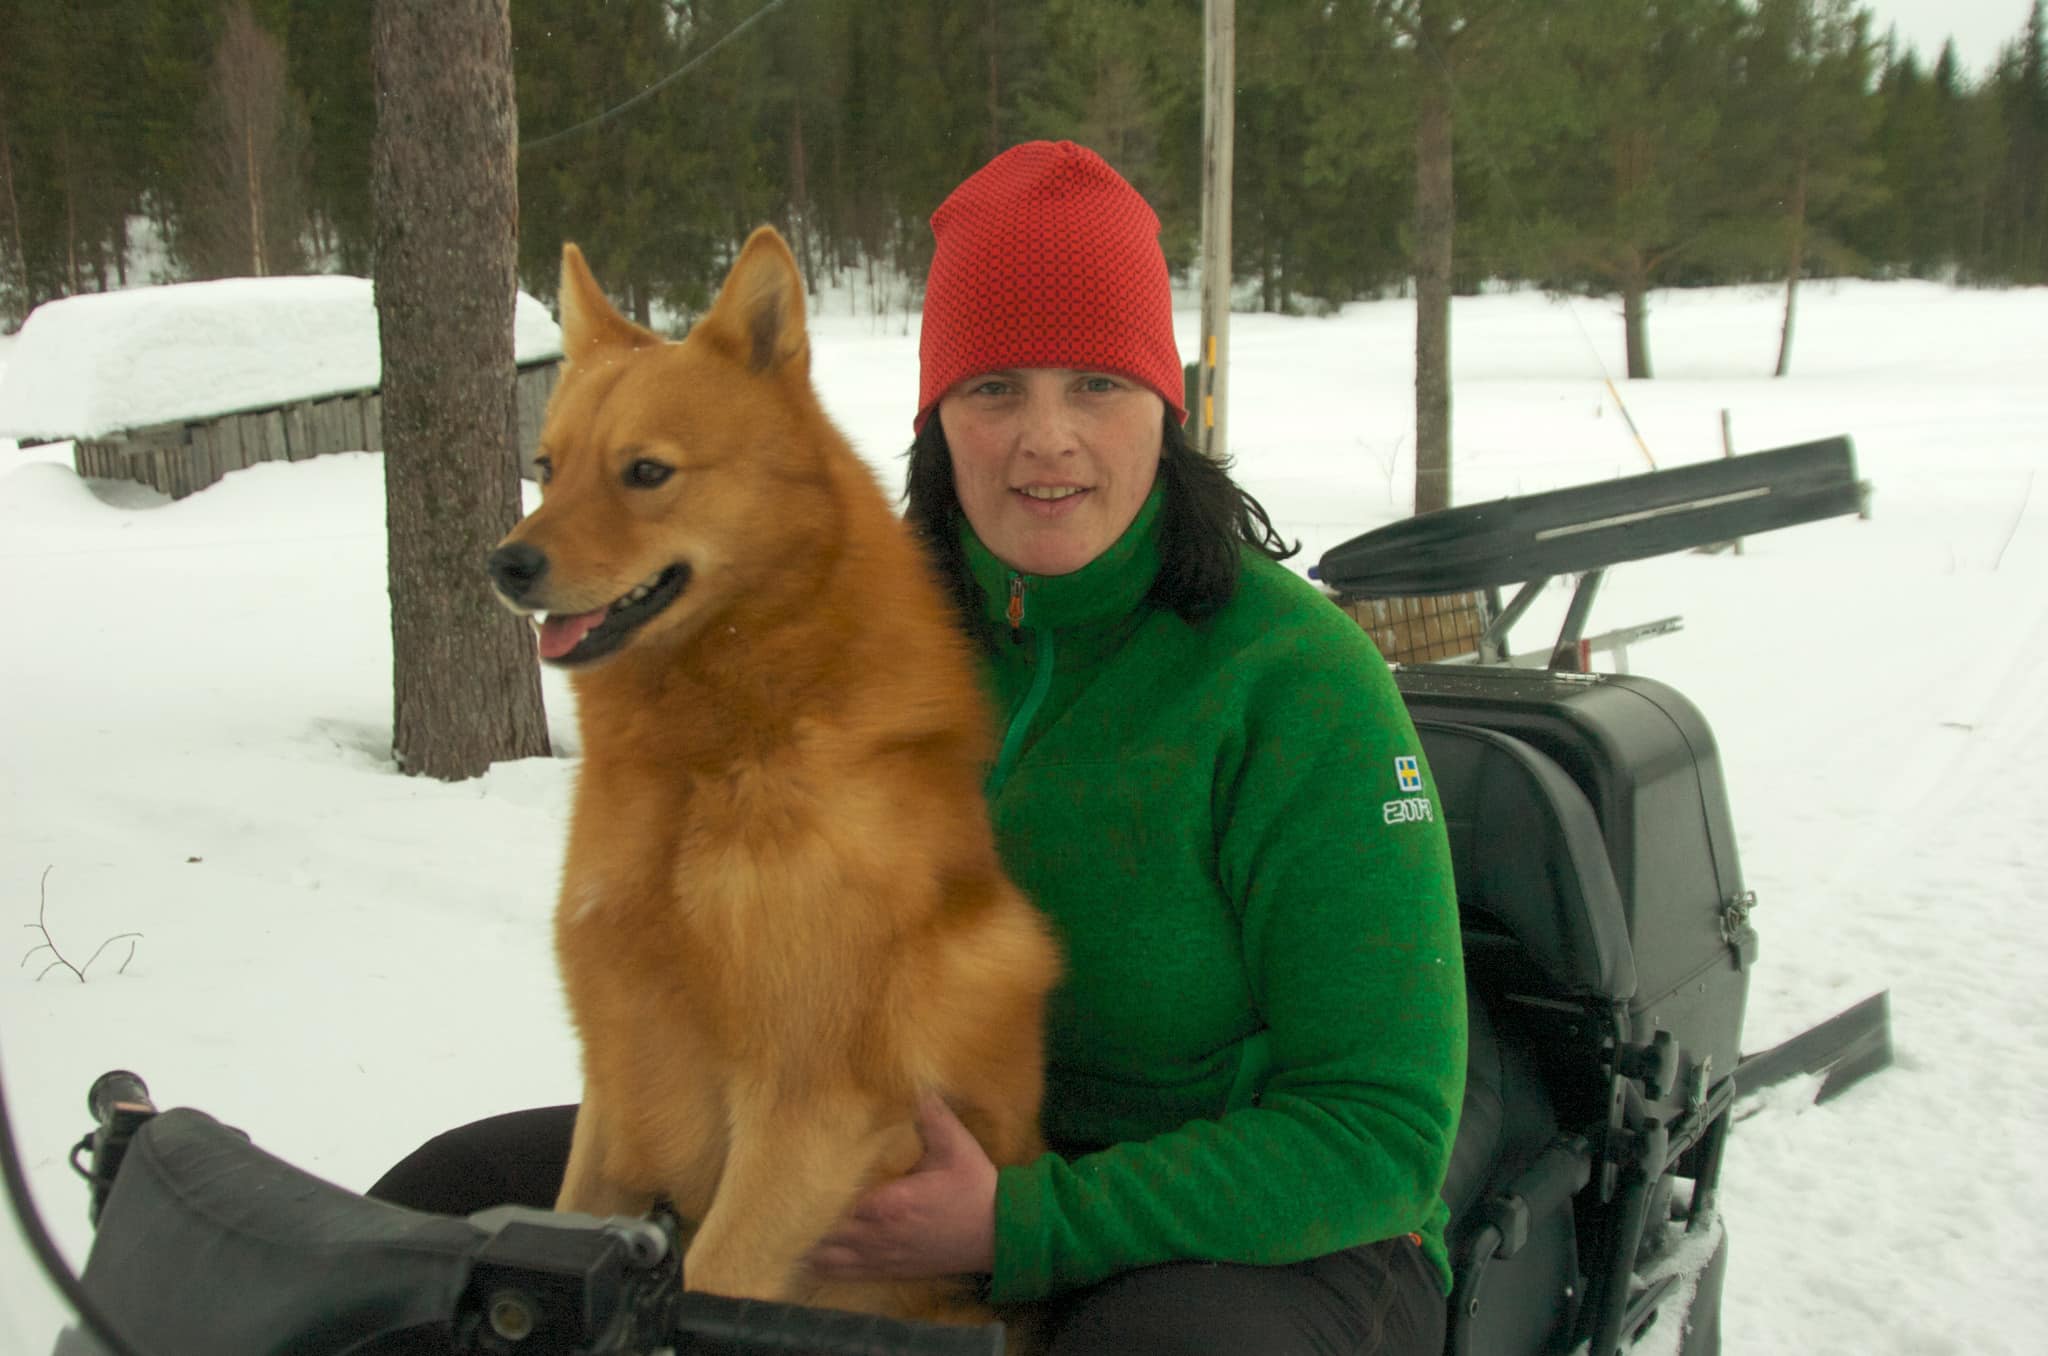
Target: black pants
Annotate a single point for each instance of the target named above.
(1378, 1300)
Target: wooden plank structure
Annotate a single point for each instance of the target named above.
(184, 458)
(1421, 630)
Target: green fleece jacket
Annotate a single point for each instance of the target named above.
(1258, 1051)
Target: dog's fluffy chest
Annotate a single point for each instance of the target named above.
(728, 886)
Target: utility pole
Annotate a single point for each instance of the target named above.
(1219, 118)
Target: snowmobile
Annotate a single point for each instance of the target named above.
(1608, 945)
(1607, 932)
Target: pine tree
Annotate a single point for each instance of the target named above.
(1357, 175)
(2019, 215)
(1627, 205)
(1907, 231)
(16, 296)
(806, 79)
(69, 179)
(1278, 63)
(244, 204)
(328, 46)
(1957, 184)
(465, 682)
(178, 39)
(1793, 165)
(1450, 43)
(1124, 77)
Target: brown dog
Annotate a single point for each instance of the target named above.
(782, 918)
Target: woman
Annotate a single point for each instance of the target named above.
(1257, 1057)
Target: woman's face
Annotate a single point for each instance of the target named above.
(1051, 464)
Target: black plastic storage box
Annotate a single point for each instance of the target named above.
(1646, 761)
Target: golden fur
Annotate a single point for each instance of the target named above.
(782, 917)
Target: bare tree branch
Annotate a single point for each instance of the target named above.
(49, 943)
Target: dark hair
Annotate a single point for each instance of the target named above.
(1205, 519)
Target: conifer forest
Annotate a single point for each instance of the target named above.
(1600, 147)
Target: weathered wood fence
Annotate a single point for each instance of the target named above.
(185, 457)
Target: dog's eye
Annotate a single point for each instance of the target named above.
(543, 470)
(645, 474)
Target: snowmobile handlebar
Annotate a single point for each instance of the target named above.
(120, 1105)
(206, 1243)
(117, 1091)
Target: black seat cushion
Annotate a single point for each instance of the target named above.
(1531, 865)
(1507, 1117)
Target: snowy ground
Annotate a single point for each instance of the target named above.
(195, 716)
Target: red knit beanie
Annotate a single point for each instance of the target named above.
(1047, 258)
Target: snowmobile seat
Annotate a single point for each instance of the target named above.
(1540, 913)
(1536, 892)
(1605, 973)
(1513, 1239)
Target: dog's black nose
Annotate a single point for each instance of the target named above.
(515, 569)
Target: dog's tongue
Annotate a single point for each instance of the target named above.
(559, 635)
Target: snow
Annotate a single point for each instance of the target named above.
(343, 961)
(93, 364)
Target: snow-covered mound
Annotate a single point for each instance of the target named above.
(88, 365)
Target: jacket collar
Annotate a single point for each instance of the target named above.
(1106, 589)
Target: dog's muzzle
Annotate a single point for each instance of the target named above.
(517, 570)
(520, 573)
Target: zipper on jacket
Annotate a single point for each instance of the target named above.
(1014, 614)
(1041, 683)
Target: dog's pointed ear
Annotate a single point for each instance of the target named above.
(759, 314)
(589, 322)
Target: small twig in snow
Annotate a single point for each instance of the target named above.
(2010, 532)
(49, 943)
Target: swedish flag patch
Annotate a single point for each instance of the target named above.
(1408, 771)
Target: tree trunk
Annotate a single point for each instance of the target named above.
(14, 219)
(991, 34)
(800, 197)
(1435, 224)
(254, 186)
(465, 682)
(71, 288)
(1635, 321)
(1794, 262)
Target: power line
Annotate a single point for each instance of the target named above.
(658, 86)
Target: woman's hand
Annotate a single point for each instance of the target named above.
(937, 1220)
